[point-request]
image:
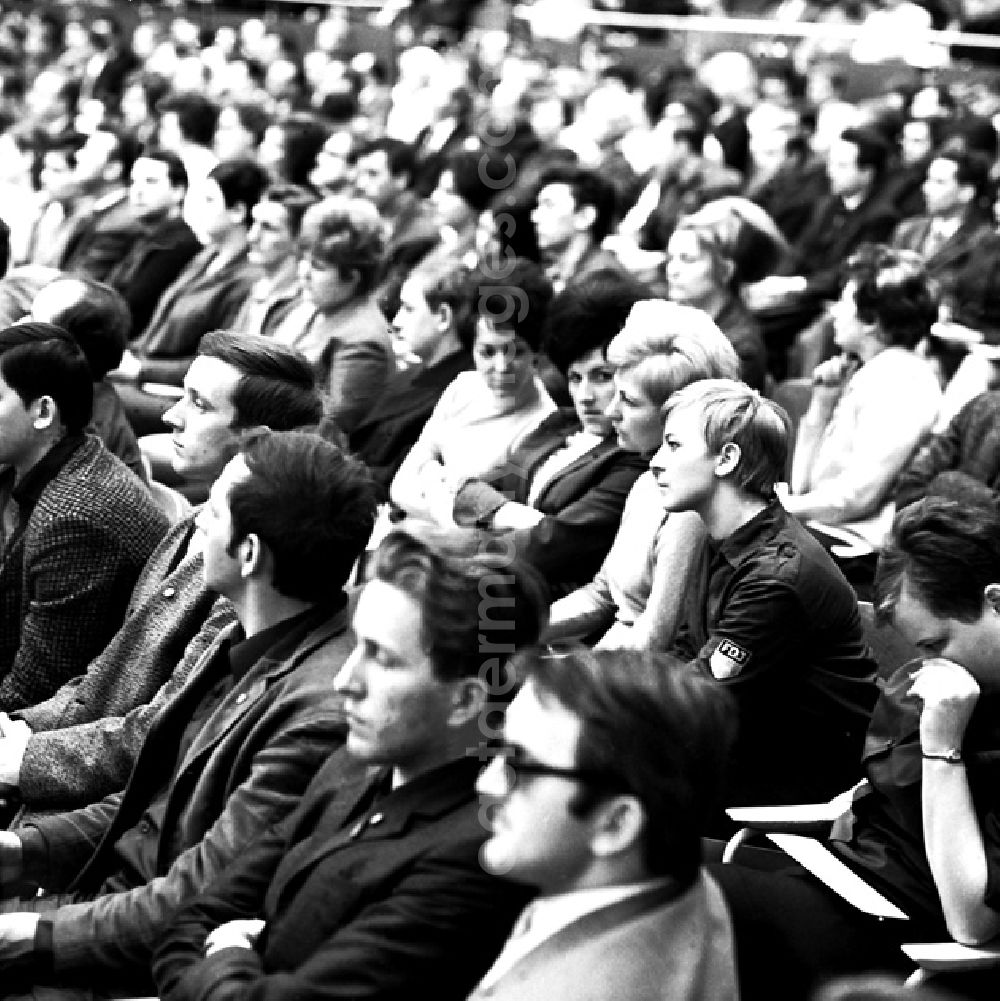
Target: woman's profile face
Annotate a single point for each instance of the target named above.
(691, 272)
(635, 417)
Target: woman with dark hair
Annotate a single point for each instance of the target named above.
(710, 255)
(560, 493)
(872, 405)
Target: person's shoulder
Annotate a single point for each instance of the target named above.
(95, 481)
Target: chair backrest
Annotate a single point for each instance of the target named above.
(891, 650)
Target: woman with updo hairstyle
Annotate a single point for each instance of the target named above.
(338, 325)
(713, 252)
(636, 599)
(873, 404)
(557, 498)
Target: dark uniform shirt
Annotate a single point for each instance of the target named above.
(882, 838)
(774, 621)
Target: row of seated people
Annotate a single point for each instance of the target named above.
(720, 599)
(187, 872)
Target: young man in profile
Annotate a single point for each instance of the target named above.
(80, 744)
(374, 888)
(227, 757)
(612, 762)
(76, 527)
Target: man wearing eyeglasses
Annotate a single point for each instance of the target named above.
(373, 888)
(612, 761)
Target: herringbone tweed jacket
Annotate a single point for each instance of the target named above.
(66, 578)
(85, 737)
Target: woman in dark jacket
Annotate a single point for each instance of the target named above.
(559, 496)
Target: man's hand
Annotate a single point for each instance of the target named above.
(17, 935)
(11, 859)
(129, 369)
(14, 735)
(949, 694)
(234, 935)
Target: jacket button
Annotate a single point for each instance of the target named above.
(169, 591)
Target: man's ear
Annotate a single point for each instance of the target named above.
(45, 413)
(992, 595)
(585, 216)
(620, 824)
(253, 555)
(468, 699)
(728, 459)
(445, 315)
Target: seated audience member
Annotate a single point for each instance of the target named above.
(611, 764)
(558, 496)
(767, 613)
(872, 405)
(382, 173)
(432, 335)
(81, 743)
(289, 148)
(962, 462)
(239, 129)
(232, 752)
(76, 526)
(573, 212)
(375, 885)
(853, 212)
(97, 318)
(272, 243)
(923, 828)
(155, 244)
(954, 224)
(965, 342)
(187, 128)
(635, 600)
(710, 255)
(100, 168)
(483, 414)
(205, 296)
(682, 180)
(337, 324)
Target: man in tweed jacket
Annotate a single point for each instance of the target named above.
(232, 753)
(80, 744)
(77, 525)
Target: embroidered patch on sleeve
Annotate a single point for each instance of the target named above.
(728, 659)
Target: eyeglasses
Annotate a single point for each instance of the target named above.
(516, 767)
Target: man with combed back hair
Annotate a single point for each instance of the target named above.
(373, 889)
(230, 754)
(80, 744)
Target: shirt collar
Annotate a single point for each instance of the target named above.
(747, 537)
(43, 472)
(280, 639)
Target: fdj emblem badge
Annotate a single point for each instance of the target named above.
(728, 659)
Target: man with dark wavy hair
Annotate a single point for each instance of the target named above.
(77, 526)
(80, 743)
(231, 753)
(374, 888)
